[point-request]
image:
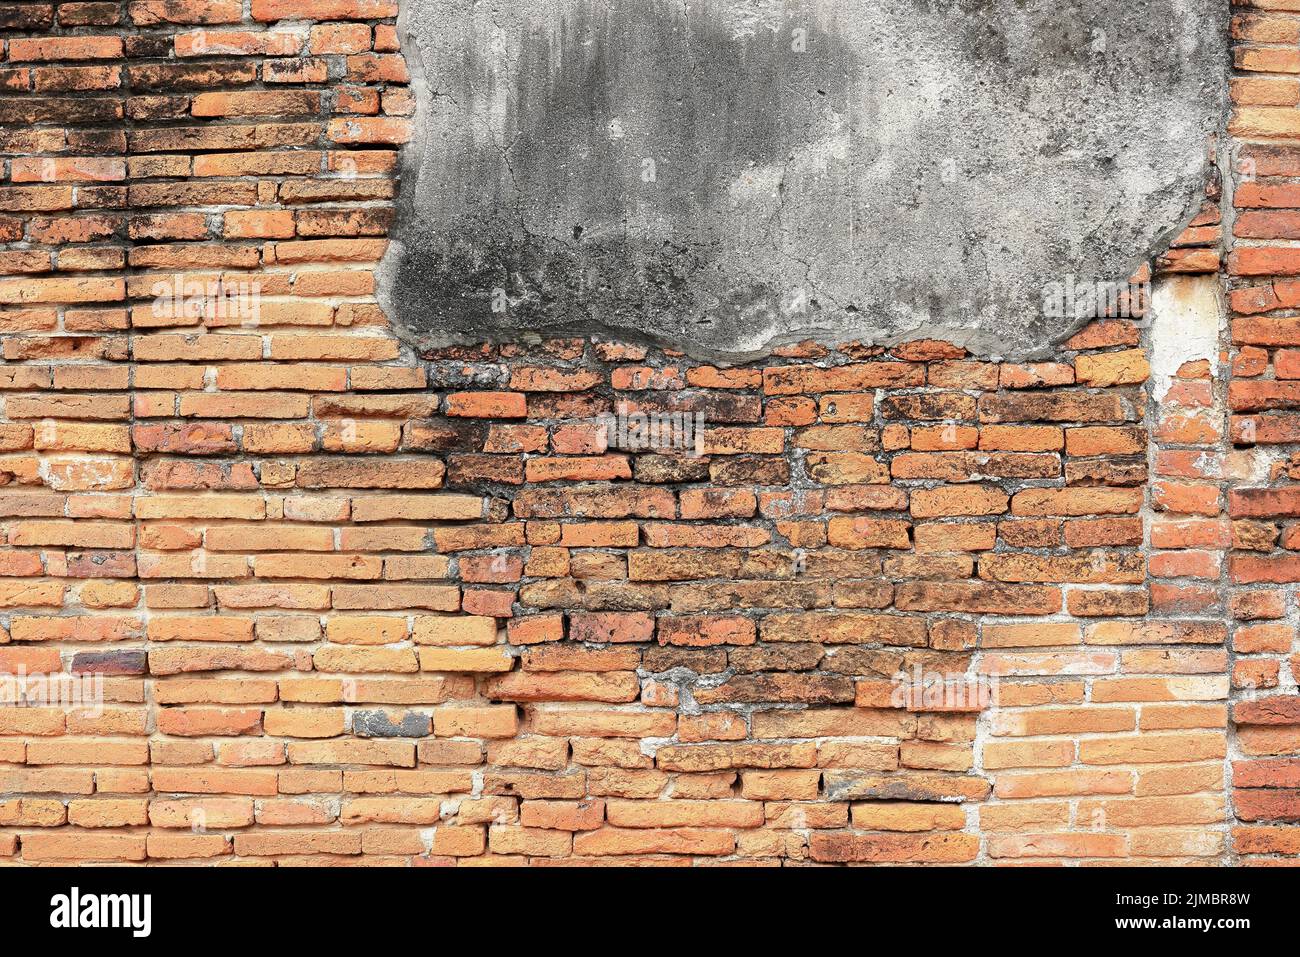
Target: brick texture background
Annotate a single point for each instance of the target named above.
(355, 604)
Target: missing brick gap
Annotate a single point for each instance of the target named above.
(1187, 314)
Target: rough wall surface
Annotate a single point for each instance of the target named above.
(355, 604)
(725, 175)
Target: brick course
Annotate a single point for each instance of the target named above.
(357, 604)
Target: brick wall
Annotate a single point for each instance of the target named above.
(1265, 332)
(352, 603)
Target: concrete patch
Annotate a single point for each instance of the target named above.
(726, 175)
(384, 724)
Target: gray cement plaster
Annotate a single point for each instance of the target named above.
(722, 176)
